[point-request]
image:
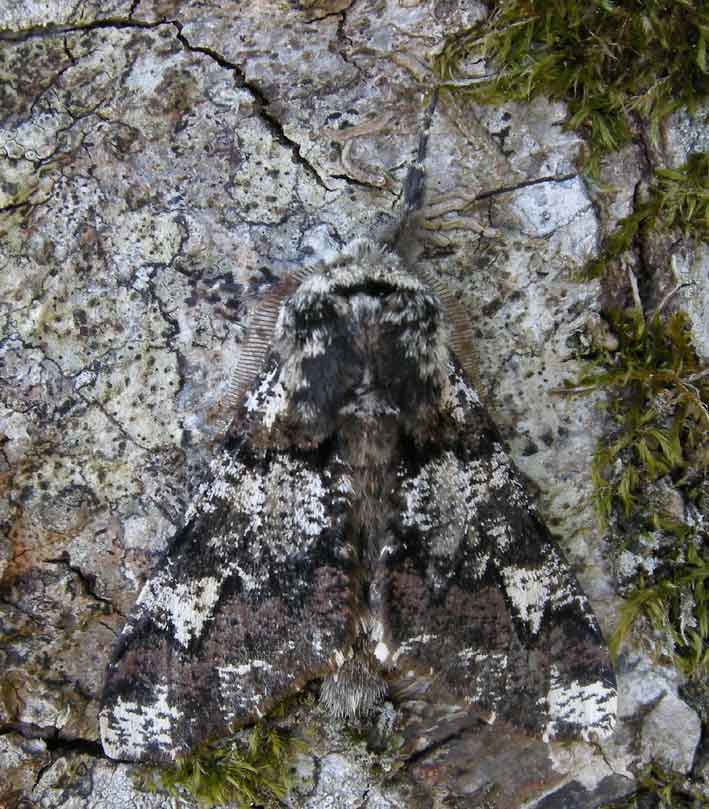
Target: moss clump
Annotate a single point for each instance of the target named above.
(657, 396)
(677, 200)
(659, 392)
(607, 59)
(668, 789)
(256, 772)
(676, 605)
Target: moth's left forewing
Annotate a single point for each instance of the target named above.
(480, 595)
(253, 598)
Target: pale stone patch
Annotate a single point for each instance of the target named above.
(671, 733)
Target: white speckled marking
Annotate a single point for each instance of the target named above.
(446, 483)
(317, 344)
(132, 726)
(186, 606)
(410, 645)
(310, 518)
(593, 707)
(270, 398)
(237, 694)
(281, 508)
(528, 590)
(454, 392)
(500, 532)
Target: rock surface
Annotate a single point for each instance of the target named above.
(160, 163)
(671, 733)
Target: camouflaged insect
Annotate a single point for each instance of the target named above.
(362, 524)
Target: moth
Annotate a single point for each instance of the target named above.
(362, 524)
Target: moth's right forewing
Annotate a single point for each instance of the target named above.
(480, 597)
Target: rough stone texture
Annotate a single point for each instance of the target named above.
(671, 733)
(83, 782)
(22, 762)
(160, 162)
(691, 267)
(344, 783)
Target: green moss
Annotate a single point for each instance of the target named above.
(668, 789)
(607, 59)
(677, 200)
(657, 396)
(255, 772)
(677, 606)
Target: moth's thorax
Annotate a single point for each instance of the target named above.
(366, 441)
(362, 344)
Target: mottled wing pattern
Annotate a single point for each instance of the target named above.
(479, 597)
(241, 611)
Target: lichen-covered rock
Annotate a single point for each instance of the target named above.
(671, 733)
(690, 266)
(342, 783)
(161, 162)
(81, 781)
(21, 761)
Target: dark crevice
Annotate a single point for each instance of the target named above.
(640, 243)
(364, 799)
(431, 748)
(174, 327)
(173, 323)
(41, 771)
(121, 23)
(87, 580)
(313, 20)
(62, 30)
(52, 738)
(436, 744)
(646, 148)
(262, 102)
(64, 746)
(69, 55)
(17, 206)
(506, 189)
(360, 183)
(109, 627)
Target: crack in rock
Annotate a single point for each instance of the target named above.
(262, 102)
